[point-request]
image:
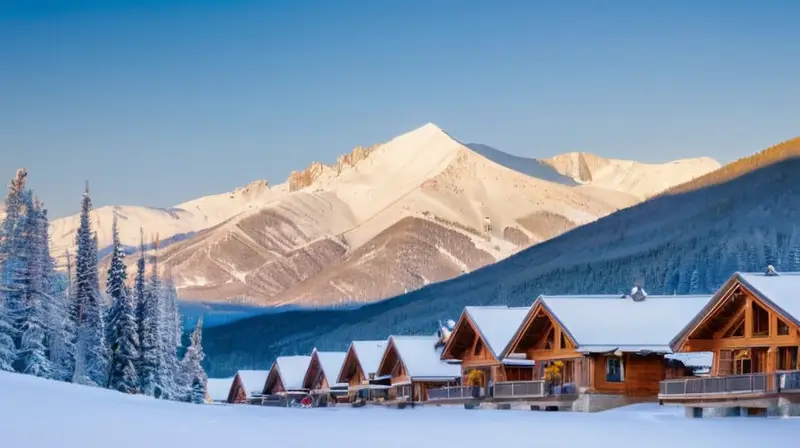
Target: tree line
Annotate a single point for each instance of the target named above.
(61, 327)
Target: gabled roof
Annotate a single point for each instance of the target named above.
(778, 291)
(253, 380)
(331, 364)
(218, 388)
(496, 324)
(291, 370)
(369, 354)
(604, 323)
(421, 359)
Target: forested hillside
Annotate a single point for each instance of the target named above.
(680, 243)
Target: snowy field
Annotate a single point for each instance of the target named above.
(40, 413)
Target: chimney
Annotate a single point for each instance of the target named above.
(771, 272)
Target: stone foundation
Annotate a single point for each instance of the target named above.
(767, 407)
(600, 402)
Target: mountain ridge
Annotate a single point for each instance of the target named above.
(420, 192)
(682, 243)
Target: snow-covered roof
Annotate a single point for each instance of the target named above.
(780, 290)
(292, 370)
(694, 359)
(253, 380)
(422, 359)
(496, 324)
(369, 354)
(218, 388)
(331, 363)
(613, 322)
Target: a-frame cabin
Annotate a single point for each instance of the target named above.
(286, 376)
(322, 373)
(752, 326)
(359, 369)
(246, 386)
(414, 365)
(598, 352)
(477, 340)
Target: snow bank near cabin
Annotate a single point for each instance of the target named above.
(40, 413)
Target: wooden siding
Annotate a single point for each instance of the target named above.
(745, 335)
(237, 394)
(641, 375)
(352, 374)
(467, 345)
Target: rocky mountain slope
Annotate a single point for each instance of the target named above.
(641, 180)
(381, 221)
(418, 209)
(674, 243)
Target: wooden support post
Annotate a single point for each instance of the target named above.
(748, 318)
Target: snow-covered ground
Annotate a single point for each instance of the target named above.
(39, 413)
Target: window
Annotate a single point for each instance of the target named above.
(478, 348)
(563, 341)
(787, 358)
(783, 329)
(614, 369)
(760, 321)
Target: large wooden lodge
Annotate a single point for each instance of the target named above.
(732, 353)
(752, 326)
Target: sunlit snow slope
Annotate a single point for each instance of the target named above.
(45, 414)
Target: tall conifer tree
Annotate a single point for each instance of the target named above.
(123, 333)
(87, 310)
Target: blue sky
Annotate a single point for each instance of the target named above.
(159, 102)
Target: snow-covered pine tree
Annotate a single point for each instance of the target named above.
(60, 333)
(170, 325)
(192, 367)
(14, 258)
(12, 264)
(148, 310)
(87, 310)
(123, 333)
(31, 318)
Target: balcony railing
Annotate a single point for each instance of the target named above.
(520, 389)
(450, 393)
(732, 384)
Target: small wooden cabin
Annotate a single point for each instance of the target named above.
(217, 389)
(359, 368)
(286, 377)
(246, 386)
(478, 338)
(752, 326)
(414, 365)
(598, 352)
(321, 378)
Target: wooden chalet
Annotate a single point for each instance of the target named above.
(285, 380)
(246, 386)
(321, 378)
(478, 338)
(752, 326)
(413, 365)
(598, 352)
(359, 370)
(217, 389)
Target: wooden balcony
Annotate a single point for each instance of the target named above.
(520, 389)
(730, 387)
(452, 393)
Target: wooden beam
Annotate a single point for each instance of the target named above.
(735, 320)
